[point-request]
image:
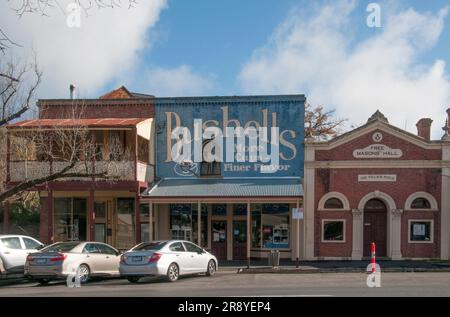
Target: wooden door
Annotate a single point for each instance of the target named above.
(375, 227)
(219, 239)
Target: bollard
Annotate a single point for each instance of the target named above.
(373, 257)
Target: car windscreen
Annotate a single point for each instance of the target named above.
(60, 247)
(150, 246)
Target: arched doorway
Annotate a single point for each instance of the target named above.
(375, 227)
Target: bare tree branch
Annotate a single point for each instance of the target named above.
(319, 124)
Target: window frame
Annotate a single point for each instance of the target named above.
(344, 233)
(431, 221)
(329, 198)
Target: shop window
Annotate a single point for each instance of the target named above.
(219, 209)
(239, 209)
(70, 219)
(333, 231)
(421, 231)
(270, 226)
(333, 203)
(184, 224)
(420, 203)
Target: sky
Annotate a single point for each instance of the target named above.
(323, 49)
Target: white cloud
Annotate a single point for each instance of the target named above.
(180, 81)
(316, 55)
(102, 50)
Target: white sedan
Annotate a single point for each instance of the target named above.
(171, 259)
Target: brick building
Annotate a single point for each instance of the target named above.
(381, 184)
(88, 208)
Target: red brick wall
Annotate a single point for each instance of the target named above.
(333, 249)
(103, 109)
(421, 250)
(409, 181)
(345, 151)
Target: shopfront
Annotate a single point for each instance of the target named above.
(232, 196)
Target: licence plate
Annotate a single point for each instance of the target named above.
(41, 261)
(136, 258)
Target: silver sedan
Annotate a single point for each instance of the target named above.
(170, 258)
(61, 259)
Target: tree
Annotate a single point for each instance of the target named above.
(320, 124)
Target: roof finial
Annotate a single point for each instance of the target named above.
(378, 116)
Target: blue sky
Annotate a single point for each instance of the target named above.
(323, 49)
(218, 37)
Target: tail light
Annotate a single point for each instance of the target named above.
(59, 257)
(30, 258)
(123, 258)
(154, 258)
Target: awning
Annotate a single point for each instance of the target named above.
(222, 188)
(52, 123)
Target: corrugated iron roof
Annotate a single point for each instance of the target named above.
(104, 122)
(274, 187)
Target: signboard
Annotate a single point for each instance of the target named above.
(377, 151)
(297, 213)
(377, 178)
(239, 136)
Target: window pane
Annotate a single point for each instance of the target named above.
(125, 234)
(192, 248)
(63, 216)
(30, 244)
(334, 203)
(100, 232)
(104, 249)
(145, 212)
(420, 231)
(181, 221)
(149, 246)
(12, 243)
(420, 203)
(239, 209)
(60, 247)
(333, 231)
(275, 225)
(90, 248)
(177, 247)
(100, 209)
(219, 209)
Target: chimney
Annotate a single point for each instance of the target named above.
(424, 127)
(72, 89)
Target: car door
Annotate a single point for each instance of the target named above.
(197, 261)
(111, 258)
(31, 245)
(93, 258)
(178, 254)
(14, 252)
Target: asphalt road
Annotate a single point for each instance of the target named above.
(232, 284)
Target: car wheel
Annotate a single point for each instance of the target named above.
(42, 281)
(173, 272)
(84, 273)
(133, 279)
(211, 268)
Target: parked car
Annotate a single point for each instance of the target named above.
(171, 259)
(14, 250)
(61, 259)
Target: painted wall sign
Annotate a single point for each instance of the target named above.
(194, 130)
(377, 178)
(377, 151)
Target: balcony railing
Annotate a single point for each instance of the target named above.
(20, 171)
